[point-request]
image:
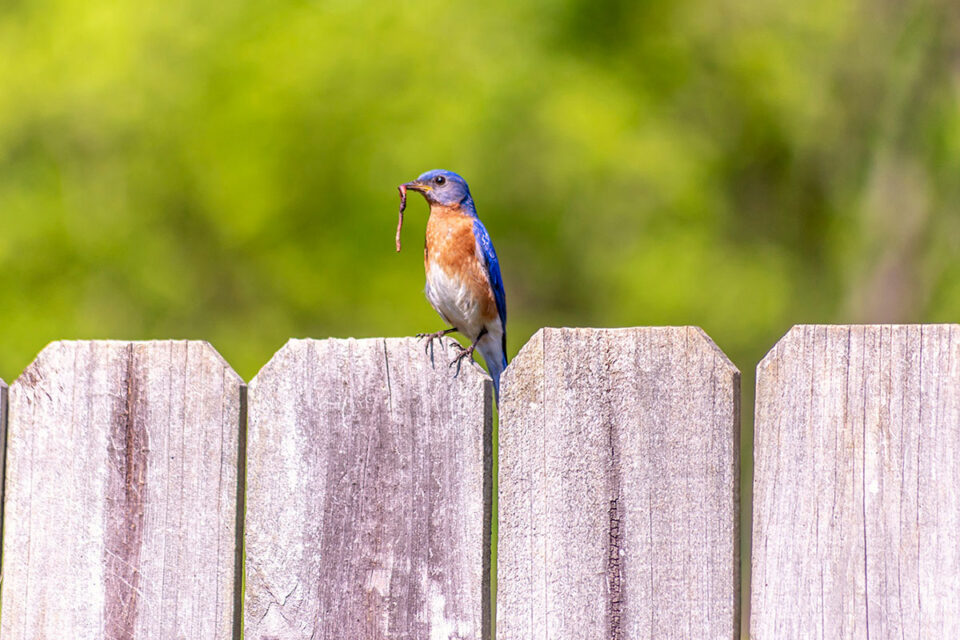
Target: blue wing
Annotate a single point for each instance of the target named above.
(493, 271)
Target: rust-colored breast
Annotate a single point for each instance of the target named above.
(451, 245)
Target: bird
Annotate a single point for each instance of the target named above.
(464, 284)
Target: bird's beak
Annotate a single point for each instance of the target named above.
(417, 186)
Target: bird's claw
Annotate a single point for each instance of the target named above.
(436, 335)
(461, 355)
(428, 347)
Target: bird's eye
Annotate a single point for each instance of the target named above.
(439, 179)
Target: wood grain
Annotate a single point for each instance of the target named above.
(121, 497)
(618, 494)
(368, 494)
(857, 484)
(3, 451)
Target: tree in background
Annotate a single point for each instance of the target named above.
(228, 172)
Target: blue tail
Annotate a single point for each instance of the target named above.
(496, 361)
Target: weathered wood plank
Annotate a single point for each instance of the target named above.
(619, 470)
(121, 497)
(857, 484)
(3, 451)
(368, 494)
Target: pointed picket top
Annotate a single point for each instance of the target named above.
(122, 492)
(368, 493)
(619, 475)
(857, 484)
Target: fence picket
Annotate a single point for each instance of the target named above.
(121, 496)
(3, 451)
(368, 494)
(619, 477)
(857, 484)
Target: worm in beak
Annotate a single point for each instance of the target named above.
(403, 205)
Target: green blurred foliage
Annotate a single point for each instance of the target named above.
(227, 171)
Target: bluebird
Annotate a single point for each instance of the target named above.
(463, 274)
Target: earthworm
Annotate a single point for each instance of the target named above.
(403, 205)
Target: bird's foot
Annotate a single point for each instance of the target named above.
(464, 353)
(436, 335)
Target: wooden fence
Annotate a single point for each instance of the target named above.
(856, 509)
(352, 484)
(618, 487)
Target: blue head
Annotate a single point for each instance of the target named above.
(443, 188)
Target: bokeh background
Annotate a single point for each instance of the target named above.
(227, 171)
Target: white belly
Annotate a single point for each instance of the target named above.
(454, 301)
